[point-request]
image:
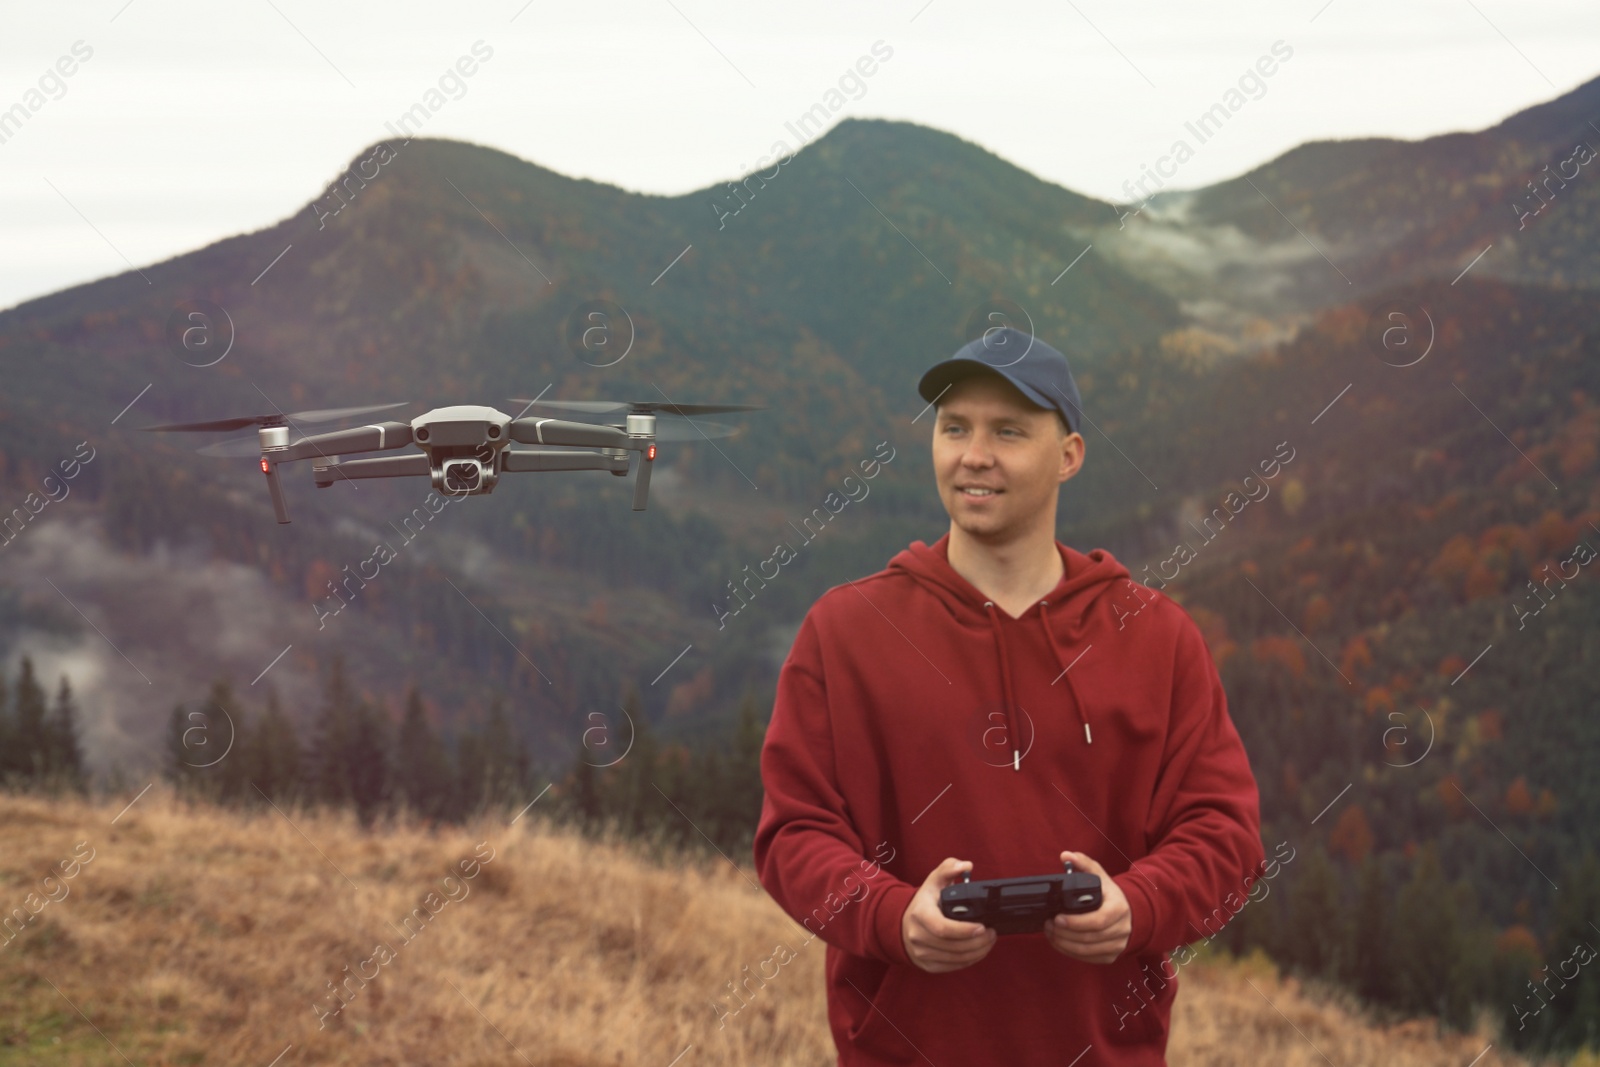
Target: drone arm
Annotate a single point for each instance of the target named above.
(378, 437)
(542, 460)
(377, 467)
(558, 432)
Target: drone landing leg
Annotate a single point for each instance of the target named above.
(641, 480)
(279, 505)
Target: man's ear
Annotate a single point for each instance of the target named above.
(1068, 468)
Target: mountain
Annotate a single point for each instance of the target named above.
(441, 272)
(445, 273)
(1336, 221)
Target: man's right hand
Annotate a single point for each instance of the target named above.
(935, 943)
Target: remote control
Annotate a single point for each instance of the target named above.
(1021, 905)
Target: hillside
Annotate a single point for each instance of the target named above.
(1333, 221)
(187, 935)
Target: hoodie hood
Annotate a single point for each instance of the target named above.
(1079, 603)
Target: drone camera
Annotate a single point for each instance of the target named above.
(462, 476)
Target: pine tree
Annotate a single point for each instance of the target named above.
(335, 739)
(369, 761)
(219, 743)
(32, 735)
(472, 768)
(1436, 970)
(1372, 962)
(505, 760)
(1574, 1006)
(179, 770)
(744, 788)
(704, 794)
(66, 753)
(422, 766)
(1315, 920)
(276, 763)
(8, 730)
(637, 804)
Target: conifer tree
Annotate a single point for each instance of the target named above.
(8, 729)
(472, 769)
(334, 739)
(638, 806)
(506, 762)
(1434, 967)
(368, 760)
(1315, 920)
(1573, 1008)
(32, 734)
(276, 763)
(422, 767)
(65, 750)
(1371, 936)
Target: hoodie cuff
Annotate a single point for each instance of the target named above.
(1140, 910)
(892, 905)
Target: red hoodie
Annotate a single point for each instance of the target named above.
(915, 720)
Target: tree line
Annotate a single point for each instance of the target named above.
(39, 740)
(1407, 941)
(624, 779)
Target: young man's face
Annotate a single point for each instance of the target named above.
(988, 436)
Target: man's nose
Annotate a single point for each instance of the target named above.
(978, 452)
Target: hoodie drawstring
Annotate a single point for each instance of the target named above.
(1005, 678)
(1005, 682)
(1065, 673)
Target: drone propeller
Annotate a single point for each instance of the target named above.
(696, 431)
(277, 418)
(640, 407)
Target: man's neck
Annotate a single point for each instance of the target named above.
(1012, 573)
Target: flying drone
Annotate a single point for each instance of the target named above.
(466, 447)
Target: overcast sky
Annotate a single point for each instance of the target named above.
(185, 122)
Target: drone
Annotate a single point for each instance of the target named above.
(465, 448)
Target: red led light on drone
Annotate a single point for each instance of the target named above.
(651, 454)
(264, 468)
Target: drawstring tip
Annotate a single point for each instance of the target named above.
(1016, 760)
(1086, 738)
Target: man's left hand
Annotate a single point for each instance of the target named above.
(1094, 936)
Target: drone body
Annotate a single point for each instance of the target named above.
(465, 448)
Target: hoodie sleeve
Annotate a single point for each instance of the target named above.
(1205, 822)
(808, 853)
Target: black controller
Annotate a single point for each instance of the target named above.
(1021, 905)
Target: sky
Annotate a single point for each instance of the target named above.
(182, 123)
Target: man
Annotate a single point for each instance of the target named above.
(993, 705)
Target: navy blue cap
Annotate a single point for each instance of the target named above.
(1038, 371)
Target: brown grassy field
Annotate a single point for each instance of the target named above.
(186, 934)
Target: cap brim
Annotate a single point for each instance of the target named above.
(941, 376)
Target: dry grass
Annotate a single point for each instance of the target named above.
(197, 935)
